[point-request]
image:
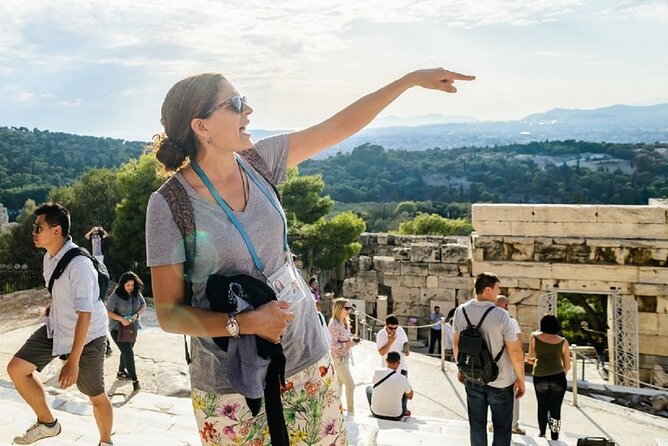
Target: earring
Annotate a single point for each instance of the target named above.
(208, 140)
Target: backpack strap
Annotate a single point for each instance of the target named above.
(482, 319)
(183, 214)
(384, 378)
(62, 264)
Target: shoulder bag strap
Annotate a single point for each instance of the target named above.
(384, 378)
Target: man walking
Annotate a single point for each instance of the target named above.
(389, 388)
(502, 302)
(75, 328)
(392, 338)
(500, 336)
(435, 330)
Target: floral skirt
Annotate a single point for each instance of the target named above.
(311, 406)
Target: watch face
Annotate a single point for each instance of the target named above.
(232, 326)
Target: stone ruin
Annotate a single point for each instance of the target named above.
(408, 275)
(607, 250)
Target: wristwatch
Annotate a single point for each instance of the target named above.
(232, 325)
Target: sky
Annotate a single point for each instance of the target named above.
(103, 68)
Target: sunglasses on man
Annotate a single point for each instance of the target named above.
(238, 104)
(392, 328)
(36, 229)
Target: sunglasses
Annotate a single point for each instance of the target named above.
(36, 229)
(392, 328)
(347, 308)
(238, 104)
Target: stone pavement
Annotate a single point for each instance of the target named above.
(159, 414)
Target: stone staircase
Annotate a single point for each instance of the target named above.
(149, 419)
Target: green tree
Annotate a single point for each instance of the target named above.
(302, 198)
(17, 246)
(91, 200)
(332, 242)
(433, 224)
(135, 182)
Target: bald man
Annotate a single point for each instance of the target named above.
(502, 302)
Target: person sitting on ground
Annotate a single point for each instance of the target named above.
(388, 390)
(393, 338)
(551, 359)
(124, 307)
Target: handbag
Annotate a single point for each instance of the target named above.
(595, 441)
(127, 333)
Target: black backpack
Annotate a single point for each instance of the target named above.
(102, 273)
(474, 359)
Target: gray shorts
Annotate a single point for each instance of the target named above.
(38, 349)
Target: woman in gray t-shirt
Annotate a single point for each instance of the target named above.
(205, 121)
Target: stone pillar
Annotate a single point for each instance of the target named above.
(381, 307)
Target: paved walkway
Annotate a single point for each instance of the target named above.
(159, 414)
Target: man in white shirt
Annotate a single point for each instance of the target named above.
(75, 328)
(501, 340)
(502, 302)
(389, 388)
(392, 338)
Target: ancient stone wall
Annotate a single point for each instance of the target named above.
(586, 248)
(414, 272)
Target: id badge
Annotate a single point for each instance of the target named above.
(286, 284)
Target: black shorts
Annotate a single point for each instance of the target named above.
(38, 350)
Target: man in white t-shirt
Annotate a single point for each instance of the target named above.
(389, 388)
(502, 302)
(392, 338)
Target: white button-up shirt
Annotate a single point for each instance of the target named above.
(76, 290)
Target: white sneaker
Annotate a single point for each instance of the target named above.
(38, 431)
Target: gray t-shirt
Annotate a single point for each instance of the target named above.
(497, 329)
(221, 250)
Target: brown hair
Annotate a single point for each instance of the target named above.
(188, 99)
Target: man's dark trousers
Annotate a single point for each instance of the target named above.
(478, 399)
(435, 336)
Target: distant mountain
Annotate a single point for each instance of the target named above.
(428, 119)
(650, 115)
(617, 124)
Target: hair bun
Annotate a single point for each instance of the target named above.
(168, 152)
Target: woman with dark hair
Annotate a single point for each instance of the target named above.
(550, 356)
(227, 182)
(124, 307)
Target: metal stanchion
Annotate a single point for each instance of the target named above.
(442, 343)
(574, 358)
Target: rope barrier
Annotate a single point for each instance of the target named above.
(357, 312)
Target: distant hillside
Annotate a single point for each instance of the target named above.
(616, 124)
(538, 172)
(34, 161)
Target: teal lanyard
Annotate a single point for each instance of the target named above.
(230, 213)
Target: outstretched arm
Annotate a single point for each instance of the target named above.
(350, 120)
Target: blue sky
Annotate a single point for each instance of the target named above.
(103, 67)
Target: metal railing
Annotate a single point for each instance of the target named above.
(577, 351)
(18, 278)
(365, 330)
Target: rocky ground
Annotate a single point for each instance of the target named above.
(159, 356)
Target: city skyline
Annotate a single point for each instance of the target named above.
(88, 67)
